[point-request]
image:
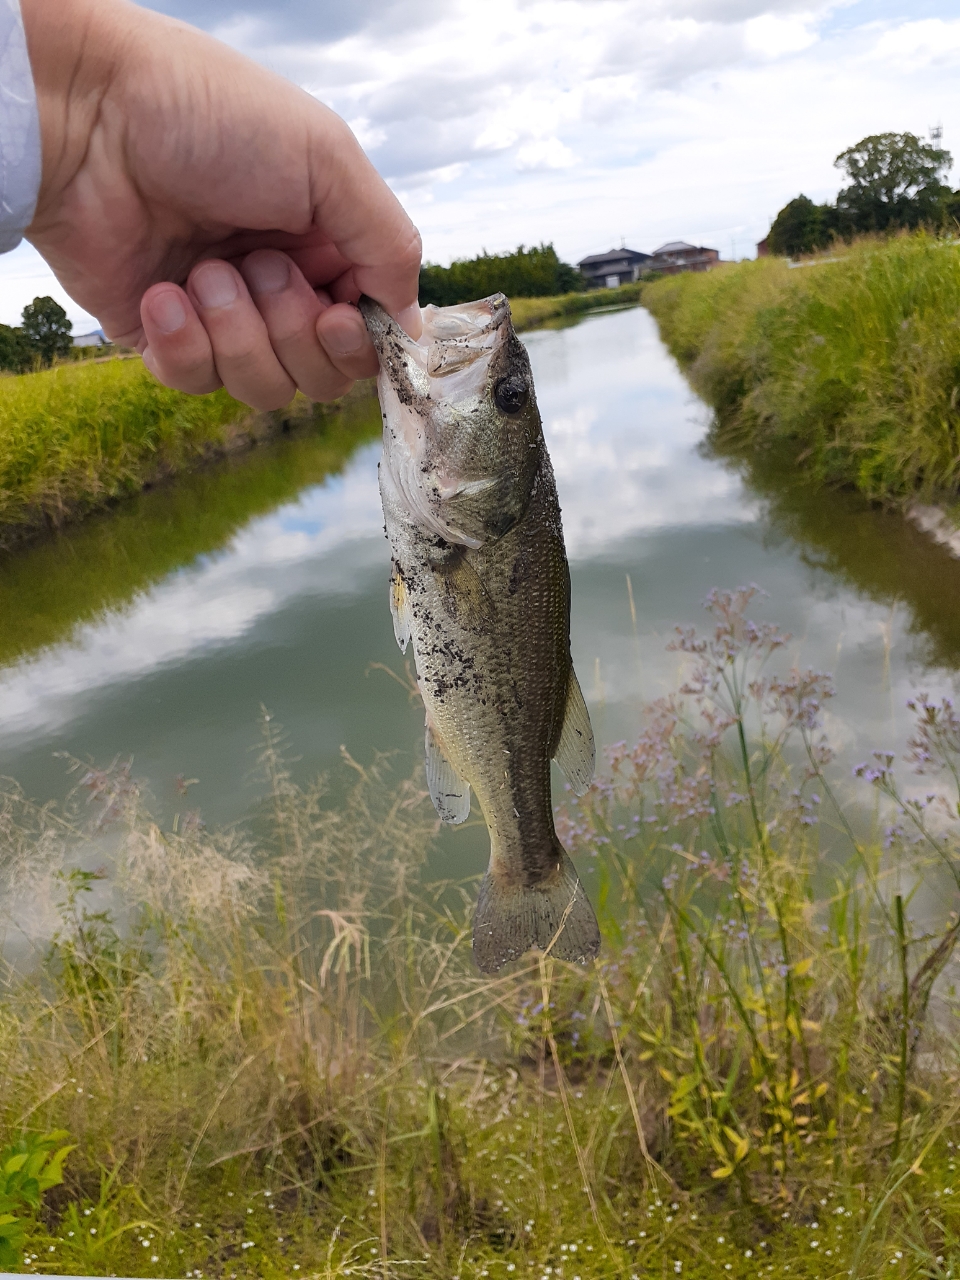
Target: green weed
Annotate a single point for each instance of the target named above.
(28, 1169)
(854, 360)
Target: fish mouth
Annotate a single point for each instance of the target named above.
(454, 339)
(428, 392)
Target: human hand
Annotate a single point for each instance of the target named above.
(207, 212)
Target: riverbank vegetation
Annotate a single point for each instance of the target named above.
(271, 1055)
(53, 586)
(76, 437)
(531, 313)
(849, 363)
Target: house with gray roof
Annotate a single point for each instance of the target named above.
(677, 255)
(618, 266)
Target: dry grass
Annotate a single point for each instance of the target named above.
(274, 1054)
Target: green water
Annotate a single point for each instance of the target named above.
(160, 630)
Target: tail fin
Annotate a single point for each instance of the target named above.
(511, 918)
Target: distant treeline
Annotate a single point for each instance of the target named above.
(45, 336)
(536, 272)
(895, 184)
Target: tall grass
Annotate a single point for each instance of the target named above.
(854, 362)
(273, 1052)
(77, 436)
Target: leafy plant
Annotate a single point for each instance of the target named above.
(28, 1169)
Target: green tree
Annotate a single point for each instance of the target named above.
(536, 272)
(801, 227)
(895, 181)
(16, 351)
(46, 326)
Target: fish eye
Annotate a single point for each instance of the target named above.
(510, 394)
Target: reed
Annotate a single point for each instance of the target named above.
(273, 1054)
(851, 361)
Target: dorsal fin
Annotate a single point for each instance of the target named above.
(576, 754)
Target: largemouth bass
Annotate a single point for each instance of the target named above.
(481, 589)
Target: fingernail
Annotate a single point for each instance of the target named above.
(344, 339)
(215, 285)
(147, 357)
(267, 272)
(411, 321)
(167, 311)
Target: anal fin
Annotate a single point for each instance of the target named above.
(400, 608)
(448, 791)
(576, 753)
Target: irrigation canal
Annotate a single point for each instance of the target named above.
(159, 631)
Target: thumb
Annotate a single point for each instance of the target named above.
(356, 209)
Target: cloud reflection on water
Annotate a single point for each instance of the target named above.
(293, 609)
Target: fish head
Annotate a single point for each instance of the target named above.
(462, 435)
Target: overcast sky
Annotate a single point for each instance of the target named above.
(584, 122)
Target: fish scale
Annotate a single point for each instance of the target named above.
(481, 590)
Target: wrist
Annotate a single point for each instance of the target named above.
(74, 48)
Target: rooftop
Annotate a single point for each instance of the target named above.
(674, 246)
(613, 255)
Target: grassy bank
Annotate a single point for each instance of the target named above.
(57, 583)
(852, 363)
(529, 313)
(75, 438)
(272, 1055)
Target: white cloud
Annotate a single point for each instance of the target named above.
(581, 121)
(545, 153)
(773, 35)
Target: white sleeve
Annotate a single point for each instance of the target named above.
(19, 130)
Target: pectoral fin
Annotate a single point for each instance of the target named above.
(466, 599)
(400, 609)
(575, 753)
(448, 791)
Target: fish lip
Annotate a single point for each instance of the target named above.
(383, 328)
